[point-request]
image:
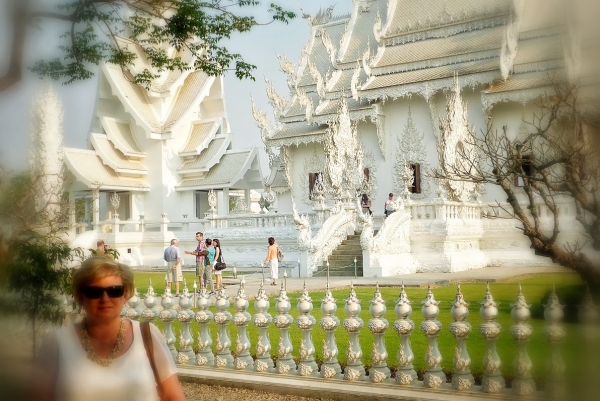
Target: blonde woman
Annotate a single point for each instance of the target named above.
(271, 260)
(103, 357)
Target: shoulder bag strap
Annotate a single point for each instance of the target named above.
(147, 338)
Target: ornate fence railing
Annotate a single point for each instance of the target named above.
(233, 343)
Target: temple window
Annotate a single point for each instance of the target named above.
(416, 185)
(528, 169)
(312, 179)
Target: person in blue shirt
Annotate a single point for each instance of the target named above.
(173, 258)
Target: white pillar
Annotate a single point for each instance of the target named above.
(86, 208)
(223, 202)
(72, 216)
(247, 196)
(96, 208)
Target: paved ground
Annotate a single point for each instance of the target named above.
(491, 274)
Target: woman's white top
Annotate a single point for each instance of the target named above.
(128, 378)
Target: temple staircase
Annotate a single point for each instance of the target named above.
(341, 261)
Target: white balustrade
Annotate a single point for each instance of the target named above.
(185, 315)
(329, 323)
(224, 359)
(307, 365)
(404, 326)
(523, 384)
(204, 316)
(555, 333)
(354, 367)
(283, 321)
(434, 377)
(243, 359)
(492, 378)
(378, 325)
(262, 320)
(460, 329)
(354, 371)
(150, 313)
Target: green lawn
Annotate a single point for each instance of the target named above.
(504, 293)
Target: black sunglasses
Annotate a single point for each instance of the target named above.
(115, 291)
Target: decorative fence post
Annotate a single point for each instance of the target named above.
(462, 378)
(588, 311)
(203, 317)
(307, 365)
(554, 332)
(434, 377)
(185, 316)
(404, 326)
(263, 361)
(134, 311)
(222, 319)
(523, 384)
(378, 325)
(492, 381)
(354, 368)
(150, 313)
(283, 321)
(167, 315)
(243, 360)
(330, 367)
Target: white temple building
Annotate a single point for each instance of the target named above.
(378, 98)
(153, 156)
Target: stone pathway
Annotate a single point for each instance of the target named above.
(203, 392)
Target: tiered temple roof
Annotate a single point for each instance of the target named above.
(131, 120)
(399, 48)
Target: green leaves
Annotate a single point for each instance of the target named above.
(102, 30)
(39, 274)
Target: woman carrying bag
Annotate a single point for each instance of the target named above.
(219, 263)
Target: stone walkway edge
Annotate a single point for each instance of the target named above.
(329, 388)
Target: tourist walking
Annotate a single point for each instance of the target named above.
(210, 264)
(271, 260)
(390, 205)
(218, 259)
(172, 256)
(104, 357)
(200, 254)
(365, 203)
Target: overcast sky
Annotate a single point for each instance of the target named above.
(258, 47)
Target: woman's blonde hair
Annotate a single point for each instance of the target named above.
(97, 267)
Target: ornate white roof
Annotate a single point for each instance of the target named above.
(114, 158)
(410, 16)
(231, 169)
(208, 158)
(88, 168)
(140, 106)
(200, 136)
(119, 133)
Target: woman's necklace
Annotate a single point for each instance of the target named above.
(89, 349)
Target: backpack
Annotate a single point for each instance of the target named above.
(279, 255)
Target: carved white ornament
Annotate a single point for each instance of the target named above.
(260, 366)
(314, 164)
(411, 150)
(343, 156)
(455, 148)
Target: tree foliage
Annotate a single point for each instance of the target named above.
(121, 31)
(39, 274)
(35, 258)
(553, 165)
